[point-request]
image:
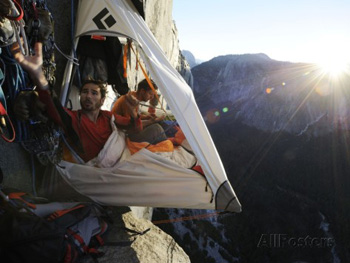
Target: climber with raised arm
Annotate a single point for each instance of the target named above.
(90, 125)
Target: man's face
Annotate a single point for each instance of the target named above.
(90, 97)
(147, 95)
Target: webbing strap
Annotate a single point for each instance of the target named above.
(68, 257)
(80, 242)
(18, 196)
(60, 213)
(125, 59)
(147, 78)
(100, 240)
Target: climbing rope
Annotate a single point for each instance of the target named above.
(15, 80)
(146, 76)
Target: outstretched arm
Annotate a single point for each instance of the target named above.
(32, 64)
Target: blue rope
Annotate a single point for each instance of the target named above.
(33, 174)
(16, 81)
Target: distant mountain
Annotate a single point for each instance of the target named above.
(282, 132)
(294, 195)
(273, 95)
(192, 61)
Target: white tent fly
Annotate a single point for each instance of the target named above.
(146, 179)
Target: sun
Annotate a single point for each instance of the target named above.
(334, 67)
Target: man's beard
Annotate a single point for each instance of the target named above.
(90, 106)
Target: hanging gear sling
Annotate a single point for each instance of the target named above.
(38, 138)
(3, 108)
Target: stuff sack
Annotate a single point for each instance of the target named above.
(38, 234)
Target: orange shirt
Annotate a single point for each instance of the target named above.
(120, 107)
(92, 135)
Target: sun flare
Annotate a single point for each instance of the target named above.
(334, 67)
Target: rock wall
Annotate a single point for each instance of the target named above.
(159, 19)
(153, 245)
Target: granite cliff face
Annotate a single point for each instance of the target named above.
(159, 19)
(158, 16)
(152, 246)
(190, 58)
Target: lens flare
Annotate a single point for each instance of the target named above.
(334, 67)
(212, 116)
(269, 90)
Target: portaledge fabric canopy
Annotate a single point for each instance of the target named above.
(120, 18)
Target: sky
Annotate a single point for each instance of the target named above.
(286, 30)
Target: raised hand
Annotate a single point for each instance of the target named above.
(132, 103)
(32, 64)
